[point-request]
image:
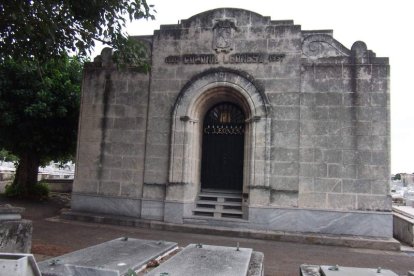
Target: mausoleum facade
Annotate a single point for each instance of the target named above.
(242, 121)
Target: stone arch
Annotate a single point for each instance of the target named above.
(196, 98)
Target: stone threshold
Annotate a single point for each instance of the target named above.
(366, 242)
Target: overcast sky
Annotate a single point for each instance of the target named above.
(385, 26)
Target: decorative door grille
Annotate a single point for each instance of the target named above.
(223, 148)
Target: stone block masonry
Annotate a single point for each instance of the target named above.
(316, 129)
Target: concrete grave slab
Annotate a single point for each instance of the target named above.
(120, 254)
(355, 271)
(17, 264)
(15, 232)
(74, 270)
(325, 270)
(207, 260)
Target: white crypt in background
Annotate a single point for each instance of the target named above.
(53, 170)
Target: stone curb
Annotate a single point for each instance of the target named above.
(389, 244)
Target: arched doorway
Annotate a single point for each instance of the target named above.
(223, 148)
(203, 92)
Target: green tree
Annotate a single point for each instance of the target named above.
(7, 156)
(38, 114)
(39, 84)
(397, 176)
(40, 29)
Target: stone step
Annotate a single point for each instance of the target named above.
(226, 203)
(226, 211)
(219, 205)
(220, 191)
(217, 195)
(218, 208)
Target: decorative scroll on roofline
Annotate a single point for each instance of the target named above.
(323, 45)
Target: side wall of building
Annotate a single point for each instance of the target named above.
(344, 132)
(111, 142)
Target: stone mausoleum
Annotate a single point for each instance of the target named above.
(242, 121)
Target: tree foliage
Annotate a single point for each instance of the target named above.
(7, 156)
(39, 29)
(39, 109)
(40, 84)
(397, 176)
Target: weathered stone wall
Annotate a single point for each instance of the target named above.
(344, 129)
(280, 78)
(111, 143)
(317, 129)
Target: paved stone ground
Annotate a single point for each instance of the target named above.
(52, 237)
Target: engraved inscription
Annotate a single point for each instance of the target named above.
(200, 59)
(276, 57)
(228, 59)
(173, 59)
(247, 58)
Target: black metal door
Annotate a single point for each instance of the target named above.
(223, 148)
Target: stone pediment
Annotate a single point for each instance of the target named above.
(244, 17)
(249, 36)
(240, 17)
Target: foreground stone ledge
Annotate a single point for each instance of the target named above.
(307, 238)
(403, 220)
(8, 212)
(18, 264)
(15, 232)
(335, 270)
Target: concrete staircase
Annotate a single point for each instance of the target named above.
(218, 204)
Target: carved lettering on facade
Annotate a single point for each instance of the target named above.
(200, 59)
(276, 57)
(228, 59)
(172, 59)
(247, 58)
